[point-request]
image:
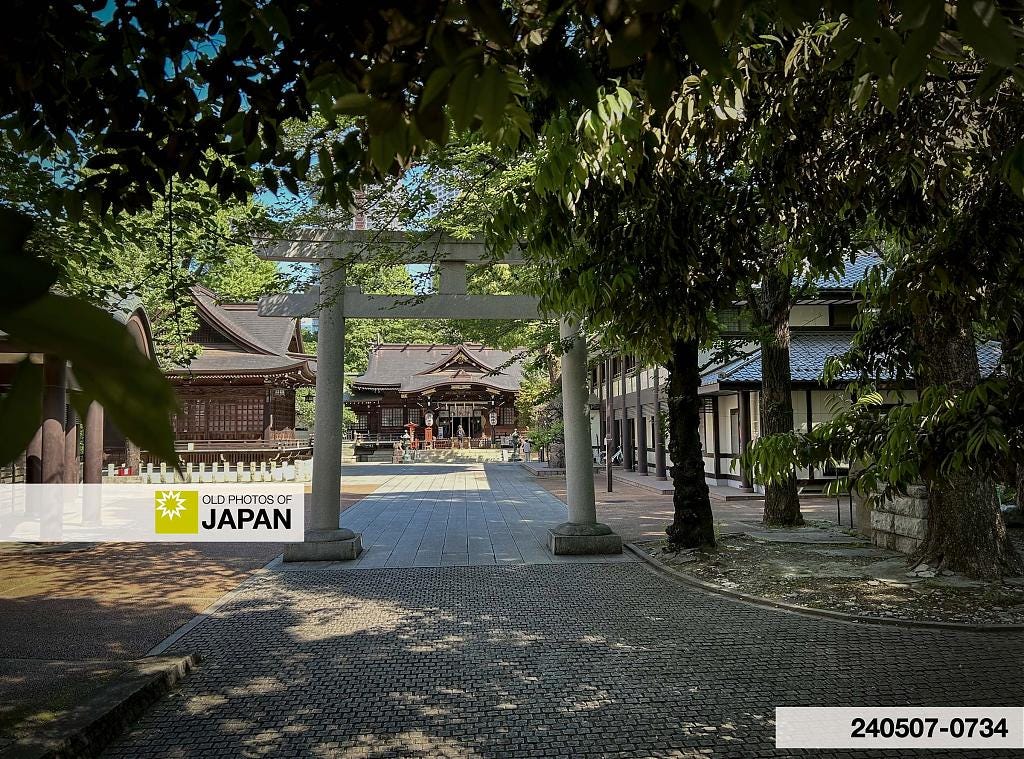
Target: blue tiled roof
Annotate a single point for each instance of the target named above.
(989, 354)
(853, 273)
(808, 352)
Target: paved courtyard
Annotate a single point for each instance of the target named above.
(428, 515)
(530, 659)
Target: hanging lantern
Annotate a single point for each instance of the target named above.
(493, 418)
(428, 419)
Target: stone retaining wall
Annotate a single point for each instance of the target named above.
(900, 523)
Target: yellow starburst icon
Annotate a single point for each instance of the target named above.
(177, 512)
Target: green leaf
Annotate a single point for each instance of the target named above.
(888, 93)
(488, 17)
(1013, 169)
(289, 182)
(701, 41)
(21, 410)
(914, 13)
(436, 83)
(23, 277)
(270, 180)
(493, 97)
(920, 42)
(634, 39)
(660, 78)
(353, 104)
(462, 97)
(433, 124)
(106, 363)
(986, 30)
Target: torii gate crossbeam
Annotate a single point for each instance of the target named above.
(332, 302)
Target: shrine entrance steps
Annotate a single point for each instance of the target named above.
(461, 455)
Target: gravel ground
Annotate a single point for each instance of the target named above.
(855, 578)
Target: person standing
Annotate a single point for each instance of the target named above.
(527, 447)
(460, 433)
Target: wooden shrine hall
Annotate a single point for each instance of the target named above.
(436, 390)
(237, 396)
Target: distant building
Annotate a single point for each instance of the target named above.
(438, 388)
(238, 395)
(821, 326)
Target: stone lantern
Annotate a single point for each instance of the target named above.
(406, 447)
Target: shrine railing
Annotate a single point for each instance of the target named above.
(237, 451)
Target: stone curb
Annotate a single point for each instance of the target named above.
(838, 616)
(105, 714)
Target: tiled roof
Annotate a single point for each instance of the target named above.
(808, 352)
(252, 344)
(853, 273)
(242, 322)
(989, 354)
(411, 367)
(217, 360)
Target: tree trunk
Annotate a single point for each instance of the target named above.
(781, 502)
(966, 532)
(693, 524)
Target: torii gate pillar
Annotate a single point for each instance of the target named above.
(325, 539)
(582, 534)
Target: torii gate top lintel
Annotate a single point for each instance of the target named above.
(449, 255)
(405, 247)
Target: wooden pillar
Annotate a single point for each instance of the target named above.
(54, 413)
(810, 407)
(627, 438)
(641, 428)
(34, 458)
(93, 470)
(659, 438)
(71, 447)
(715, 438)
(268, 413)
(745, 483)
(609, 440)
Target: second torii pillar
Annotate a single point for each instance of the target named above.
(325, 539)
(582, 534)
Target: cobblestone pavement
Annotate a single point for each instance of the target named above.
(538, 660)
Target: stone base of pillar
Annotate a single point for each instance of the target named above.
(325, 545)
(569, 539)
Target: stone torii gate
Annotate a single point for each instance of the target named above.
(332, 302)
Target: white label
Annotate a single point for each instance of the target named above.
(152, 513)
(899, 727)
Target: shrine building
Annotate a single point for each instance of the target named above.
(237, 397)
(437, 388)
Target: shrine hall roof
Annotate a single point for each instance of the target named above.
(236, 340)
(410, 367)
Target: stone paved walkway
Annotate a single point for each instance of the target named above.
(461, 514)
(526, 658)
(555, 660)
